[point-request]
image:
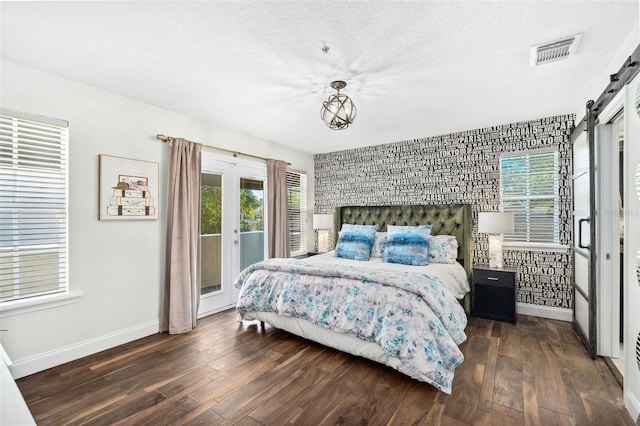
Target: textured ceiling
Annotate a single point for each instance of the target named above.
(413, 69)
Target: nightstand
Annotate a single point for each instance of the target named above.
(493, 293)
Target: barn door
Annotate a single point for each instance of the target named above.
(584, 235)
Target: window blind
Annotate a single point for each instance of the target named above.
(33, 206)
(297, 209)
(529, 189)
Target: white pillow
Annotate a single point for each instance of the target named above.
(379, 240)
(442, 249)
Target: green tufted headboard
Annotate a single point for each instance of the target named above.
(447, 219)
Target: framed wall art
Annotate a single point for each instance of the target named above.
(128, 189)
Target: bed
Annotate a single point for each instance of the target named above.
(410, 318)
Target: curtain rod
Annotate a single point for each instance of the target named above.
(164, 138)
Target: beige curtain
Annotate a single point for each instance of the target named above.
(278, 220)
(182, 246)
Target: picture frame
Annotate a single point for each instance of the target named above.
(128, 189)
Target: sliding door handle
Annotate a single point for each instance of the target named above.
(580, 222)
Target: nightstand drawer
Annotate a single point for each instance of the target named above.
(494, 278)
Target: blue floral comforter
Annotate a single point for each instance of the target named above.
(409, 315)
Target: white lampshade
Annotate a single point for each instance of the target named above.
(495, 222)
(322, 221)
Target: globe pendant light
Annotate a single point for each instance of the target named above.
(338, 111)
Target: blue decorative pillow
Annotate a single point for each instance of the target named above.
(407, 244)
(442, 249)
(354, 241)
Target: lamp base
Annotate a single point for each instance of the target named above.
(495, 251)
(323, 240)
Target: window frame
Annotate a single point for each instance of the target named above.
(550, 246)
(302, 211)
(11, 120)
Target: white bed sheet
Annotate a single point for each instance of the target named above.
(452, 275)
(333, 339)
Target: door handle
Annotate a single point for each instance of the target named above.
(580, 222)
(236, 242)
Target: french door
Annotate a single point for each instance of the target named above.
(584, 232)
(232, 227)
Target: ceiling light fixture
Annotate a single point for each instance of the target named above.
(338, 111)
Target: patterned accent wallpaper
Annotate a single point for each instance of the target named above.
(460, 167)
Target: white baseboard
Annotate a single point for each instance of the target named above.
(632, 406)
(215, 311)
(561, 314)
(25, 367)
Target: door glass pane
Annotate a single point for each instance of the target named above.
(251, 221)
(211, 233)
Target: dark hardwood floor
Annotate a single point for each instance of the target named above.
(226, 372)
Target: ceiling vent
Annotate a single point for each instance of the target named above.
(554, 51)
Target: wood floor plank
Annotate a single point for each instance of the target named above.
(227, 372)
(434, 415)
(463, 402)
(573, 394)
(70, 402)
(602, 411)
(173, 409)
(390, 383)
(510, 340)
(508, 382)
(501, 415)
(360, 408)
(179, 401)
(92, 411)
(338, 391)
(529, 395)
(245, 399)
(315, 376)
(488, 381)
(187, 379)
(449, 421)
(476, 350)
(201, 415)
(289, 414)
(551, 418)
(122, 411)
(219, 389)
(413, 401)
(550, 389)
(465, 396)
(414, 415)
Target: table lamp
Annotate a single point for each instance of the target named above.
(322, 223)
(495, 224)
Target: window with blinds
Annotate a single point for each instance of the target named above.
(529, 189)
(33, 206)
(297, 209)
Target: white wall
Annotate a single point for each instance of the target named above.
(116, 265)
(610, 65)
